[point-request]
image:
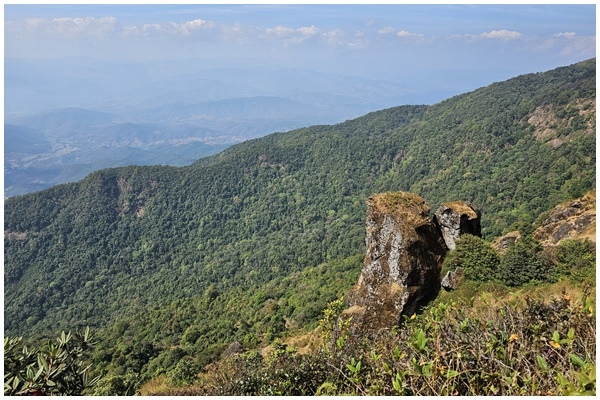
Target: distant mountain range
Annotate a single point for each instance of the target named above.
(89, 114)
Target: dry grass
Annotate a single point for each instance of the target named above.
(308, 343)
(154, 386)
(461, 207)
(406, 206)
(482, 301)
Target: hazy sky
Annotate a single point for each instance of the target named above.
(368, 40)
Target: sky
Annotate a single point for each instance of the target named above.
(352, 39)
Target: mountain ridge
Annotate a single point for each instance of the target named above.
(280, 204)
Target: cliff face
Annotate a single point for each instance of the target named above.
(403, 261)
(571, 220)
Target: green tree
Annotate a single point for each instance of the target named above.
(575, 259)
(117, 385)
(477, 258)
(184, 373)
(522, 263)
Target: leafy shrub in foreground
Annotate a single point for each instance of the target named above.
(539, 348)
(58, 367)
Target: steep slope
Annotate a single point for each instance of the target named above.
(572, 220)
(126, 239)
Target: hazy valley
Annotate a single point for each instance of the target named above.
(66, 118)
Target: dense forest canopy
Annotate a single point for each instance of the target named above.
(143, 240)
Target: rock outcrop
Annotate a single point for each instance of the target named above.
(502, 243)
(15, 235)
(452, 279)
(571, 220)
(402, 265)
(455, 219)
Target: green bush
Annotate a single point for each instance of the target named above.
(522, 263)
(504, 348)
(184, 373)
(117, 385)
(477, 258)
(575, 259)
(57, 367)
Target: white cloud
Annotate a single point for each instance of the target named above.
(184, 29)
(574, 44)
(65, 27)
(279, 31)
(503, 35)
(144, 30)
(338, 37)
(84, 26)
(34, 23)
(292, 35)
(566, 35)
(407, 34)
(335, 37)
(189, 27)
(308, 30)
(386, 31)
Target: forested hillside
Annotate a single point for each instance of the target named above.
(191, 246)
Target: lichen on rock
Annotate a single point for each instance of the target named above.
(456, 218)
(571, 220)
(402, 264)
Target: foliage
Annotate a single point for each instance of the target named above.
(539, 348)
(574, 259)
(199, 329)
(334, 327)
(184, 372)
(117, 385)
(523, 264)
(477, 258)
(124, 239)
(59, 366)
(255, 241)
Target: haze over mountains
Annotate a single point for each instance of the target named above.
(66, 118)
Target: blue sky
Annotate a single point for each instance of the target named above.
(365, 40)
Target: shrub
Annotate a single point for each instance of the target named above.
(505, 347)
(117, 385)
(58, 367)
(522, 264)
(184, 373)
(475, 256)
(574, 259)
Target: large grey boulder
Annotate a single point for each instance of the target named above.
(402, 265)
(456, 218)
